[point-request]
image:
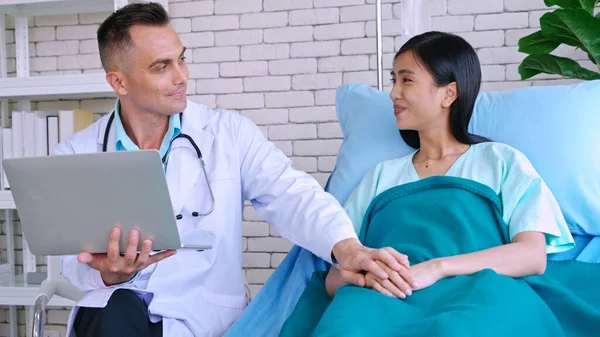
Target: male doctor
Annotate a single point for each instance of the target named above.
(190, 293)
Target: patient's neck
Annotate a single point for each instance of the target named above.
(145, 129)
(437, 144)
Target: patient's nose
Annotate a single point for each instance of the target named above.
(395, 93)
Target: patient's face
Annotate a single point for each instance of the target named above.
(416, 97)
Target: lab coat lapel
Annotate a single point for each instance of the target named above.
(183, 166)
(111, 134)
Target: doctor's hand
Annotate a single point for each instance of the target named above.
(398, 284)
(355, 259)
(115, 268)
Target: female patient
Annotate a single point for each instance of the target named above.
(473, 216)
(436, 80)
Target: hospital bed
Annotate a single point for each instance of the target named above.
(555, 126)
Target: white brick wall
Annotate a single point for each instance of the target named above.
(278, 62)
(457, 7)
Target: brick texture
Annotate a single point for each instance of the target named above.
(278, 62)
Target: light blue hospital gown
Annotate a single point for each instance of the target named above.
(528, 204)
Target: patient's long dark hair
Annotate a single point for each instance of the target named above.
(448, 58)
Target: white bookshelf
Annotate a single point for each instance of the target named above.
(54, 7)
(23, 89)
(90, 85)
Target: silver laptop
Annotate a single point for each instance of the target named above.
(69, 203)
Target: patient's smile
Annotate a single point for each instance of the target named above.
(398, 109)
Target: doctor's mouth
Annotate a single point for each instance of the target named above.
(179, 94)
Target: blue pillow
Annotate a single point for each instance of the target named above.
(556, 127)
(368, 124)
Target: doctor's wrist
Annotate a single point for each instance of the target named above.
(343, 248)
(111, 279)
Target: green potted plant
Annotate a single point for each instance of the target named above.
(573, 24)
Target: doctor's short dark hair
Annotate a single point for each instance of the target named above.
(113, 34)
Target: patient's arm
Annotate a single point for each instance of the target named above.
(524, 256)
(333, 281)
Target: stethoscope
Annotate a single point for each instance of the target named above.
(165, 159)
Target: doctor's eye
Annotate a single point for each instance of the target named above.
(161, 67)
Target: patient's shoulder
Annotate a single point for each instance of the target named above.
(509, 161)
(505, 153)
(394, 164)
(390, 173)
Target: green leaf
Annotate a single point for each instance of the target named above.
(574, 27)
(588, 5)
(551, 64)
(537, 43)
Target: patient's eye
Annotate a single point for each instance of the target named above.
(393, 80)
(406, 80)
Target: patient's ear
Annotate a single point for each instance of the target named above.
(450, 95)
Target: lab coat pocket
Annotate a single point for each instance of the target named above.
(224, 300)
(222, 309)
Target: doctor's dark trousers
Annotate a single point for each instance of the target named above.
(124, 315)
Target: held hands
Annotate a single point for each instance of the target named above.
(421, 275)
(399, 283)
(354, 259)
(115, 268)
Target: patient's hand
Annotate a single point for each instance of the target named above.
(333, 281)
(427, 273)
(399, 284)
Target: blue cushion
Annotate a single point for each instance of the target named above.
(368, 124)
(556, 127)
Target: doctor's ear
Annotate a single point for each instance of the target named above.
(450, 95)
(117, 82)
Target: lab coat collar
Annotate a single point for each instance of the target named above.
(195, 114)
(111, 133)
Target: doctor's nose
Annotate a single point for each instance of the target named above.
(180, 74)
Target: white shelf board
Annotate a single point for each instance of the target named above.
(6, 200)
(76, 86)
(14, 291)
(54, 7)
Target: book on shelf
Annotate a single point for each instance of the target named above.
(36, 133)
(71, 121)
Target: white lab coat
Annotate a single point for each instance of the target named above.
(202, 293)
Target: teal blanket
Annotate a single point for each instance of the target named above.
(444, 216)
